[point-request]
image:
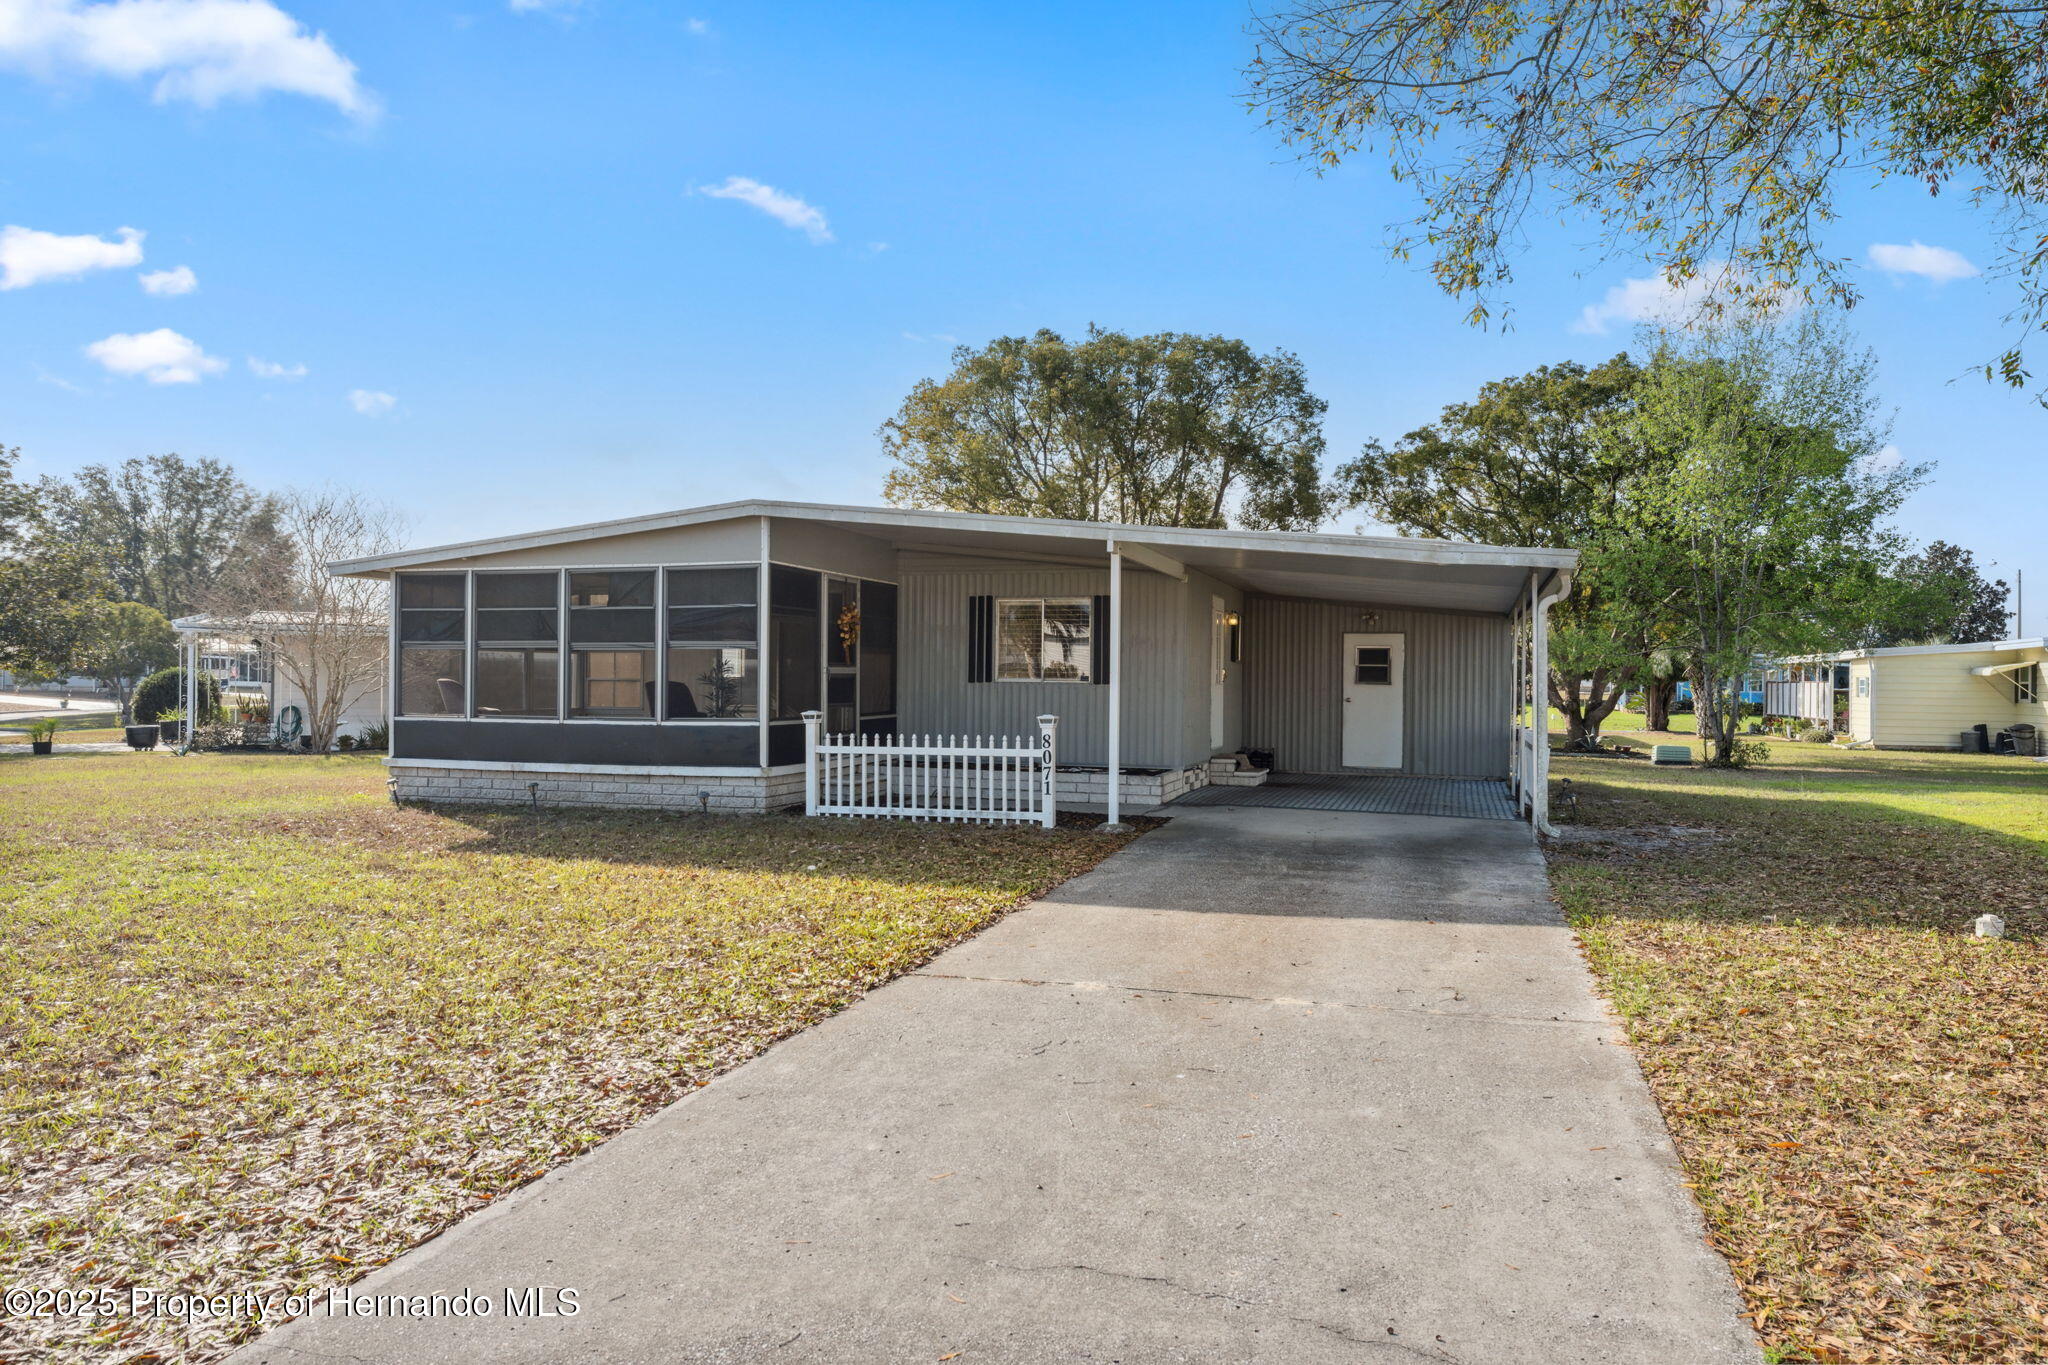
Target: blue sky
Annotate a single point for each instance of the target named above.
(484, 233)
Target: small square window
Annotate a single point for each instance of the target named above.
(1374, 666)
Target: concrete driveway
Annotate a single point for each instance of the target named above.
(1270, 1085)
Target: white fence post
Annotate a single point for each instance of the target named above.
(1048, 786)
(812, 719)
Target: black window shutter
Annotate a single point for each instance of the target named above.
(981, 639)
(1098, 643)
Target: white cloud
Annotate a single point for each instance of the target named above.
(785, 209)
(162, 356)
(201, 51)
(537, 6)
(1655, 299)
(1888, 457)
(270, 369)
(370, 402)
(943, 338)
(698, 28)
(29, 257)
(169, 282)
(1936, 263)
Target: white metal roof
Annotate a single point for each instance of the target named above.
(1395, 570)
(270, 622)
(1977, 647)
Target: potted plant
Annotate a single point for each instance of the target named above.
(41, 735)
(141, 737)
(171, 725)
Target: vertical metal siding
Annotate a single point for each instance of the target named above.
(937, 698)
(1457, 690)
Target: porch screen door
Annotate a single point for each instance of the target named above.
(1373, 684)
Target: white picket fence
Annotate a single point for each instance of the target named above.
(983, 779)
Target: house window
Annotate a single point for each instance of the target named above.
(1374, 666)
(611, 644)
(1863, 684)
(1044, 639)
(714, 668)
(518, 658)
(432, 647)
(2026, 684)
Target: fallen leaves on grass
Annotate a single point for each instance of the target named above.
(261, 1030)
(1857, 1089)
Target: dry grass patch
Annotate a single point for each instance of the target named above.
(261, 1030)
(1858, 1089)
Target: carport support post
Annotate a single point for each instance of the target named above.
(1539, 711)
(1116, 686)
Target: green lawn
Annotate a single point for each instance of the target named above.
(81, 727)
(262, 1030)
(1630, 722)
(1857, 1087)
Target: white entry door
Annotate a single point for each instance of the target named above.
(1374, 666)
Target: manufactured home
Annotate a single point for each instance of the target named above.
(687, 659)
(1920, 696)
(262, 654)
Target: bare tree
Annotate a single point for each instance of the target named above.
(326, 636)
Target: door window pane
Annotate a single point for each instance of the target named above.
(516, 682)
(1374, 666)
(710, 683)
(842, 622)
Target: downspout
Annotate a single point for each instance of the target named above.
(1539, 637)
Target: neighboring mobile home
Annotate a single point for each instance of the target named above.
(669, 660)
(1917, 696)
(243, 653)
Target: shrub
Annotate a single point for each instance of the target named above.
(375, 735)
(1741, 754)
(161, 692)
(1816, 734)
(40, 730)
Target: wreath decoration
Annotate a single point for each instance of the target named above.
(849, 626)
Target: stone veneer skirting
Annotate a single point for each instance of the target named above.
(741, 791)
(1088, 788)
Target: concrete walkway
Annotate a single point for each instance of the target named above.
(1270, 1085)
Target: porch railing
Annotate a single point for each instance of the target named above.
(1812, 700)
(980, 779)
